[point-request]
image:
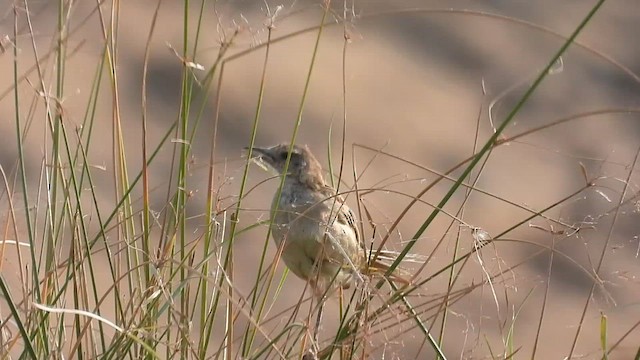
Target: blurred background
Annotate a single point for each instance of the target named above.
(421, 80)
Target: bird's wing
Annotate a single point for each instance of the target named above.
(344, 214)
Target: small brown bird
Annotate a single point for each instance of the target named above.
(316, 229)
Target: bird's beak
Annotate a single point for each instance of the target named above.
(261, 156)
(259, 152)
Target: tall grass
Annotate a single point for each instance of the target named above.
(110, 276)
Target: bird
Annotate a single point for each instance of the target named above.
(315, 229)
(312, 224)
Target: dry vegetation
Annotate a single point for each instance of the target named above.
(490, 147)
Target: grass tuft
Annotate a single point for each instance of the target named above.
(115, 247)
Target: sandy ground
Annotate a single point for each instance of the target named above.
(419, 80)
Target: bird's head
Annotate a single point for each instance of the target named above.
(303, 166)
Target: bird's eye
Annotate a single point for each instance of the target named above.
(283, 156)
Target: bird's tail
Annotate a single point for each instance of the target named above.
(379, 263)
